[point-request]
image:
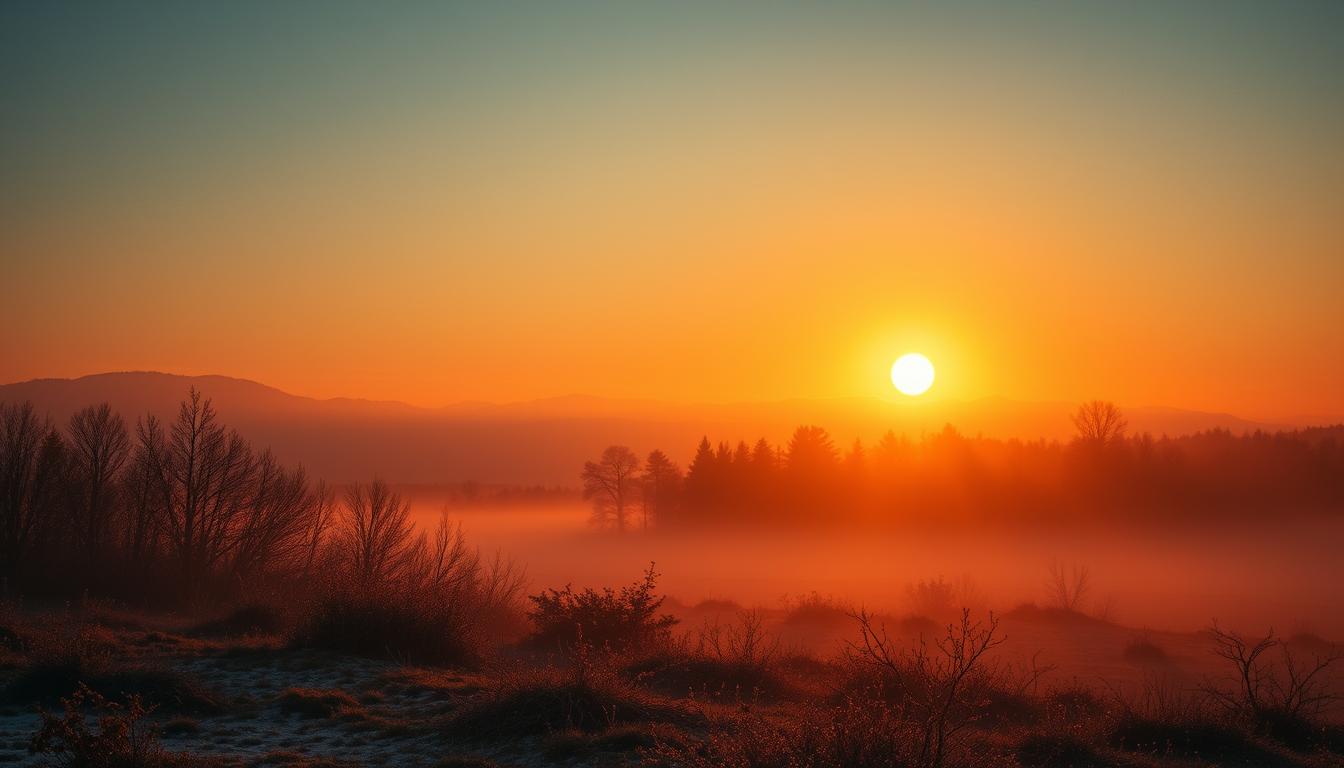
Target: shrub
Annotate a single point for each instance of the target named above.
(1284, 701)
(247, 619)
(1141, 650)
(389, 625)
(426, 600)
(815, 610)
(716, 605)
(607, 619)
(61, 665)
(942, 687)
(586, 697)
(737, 660)
(124, 737)
(313, 703)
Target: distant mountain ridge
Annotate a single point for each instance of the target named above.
(545, 441)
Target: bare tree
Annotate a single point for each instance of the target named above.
(445, 564)
(610, 482)
(273, 533)
(206, 474)
(324, 511)
(1068, 586)
(1100, 423)
(99, 449)
(146, 491)
(377, 536)
(21, 435)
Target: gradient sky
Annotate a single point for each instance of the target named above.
(689, 201)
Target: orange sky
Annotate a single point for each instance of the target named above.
(682, 205)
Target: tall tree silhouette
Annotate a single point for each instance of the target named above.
(21, 435)
(205, 472)
(99, 447)
(701, 484)
(611, 484)
(661, 481)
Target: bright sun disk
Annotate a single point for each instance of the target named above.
(912, 374)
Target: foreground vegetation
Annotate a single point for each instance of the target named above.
(610, 677)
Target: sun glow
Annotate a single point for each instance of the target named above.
(912, 374)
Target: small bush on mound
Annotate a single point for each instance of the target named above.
(564, 618)
(715, 605)
(124, 737)
(676, 672)
(248, 619)
(314, 703)
(737, 660)
(1051, 615)
(397, 627)
(586, 698)
(1144, 651)
(816, 611)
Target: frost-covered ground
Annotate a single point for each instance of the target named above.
(246, 701)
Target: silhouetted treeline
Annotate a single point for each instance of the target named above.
(187, 511)
(162, 511)
(950, 477)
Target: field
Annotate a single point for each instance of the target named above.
(786, 685)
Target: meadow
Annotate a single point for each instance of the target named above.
(182, 598)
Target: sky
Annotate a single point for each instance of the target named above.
(1142, 202)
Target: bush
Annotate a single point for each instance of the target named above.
(312, 703)
(586, 697)
(942, 687)
(248, 619)
(124, 737)
(608, 620)
(737, 660)
(388, 625)
(816, 611)
(1144, 651)
(60, 666)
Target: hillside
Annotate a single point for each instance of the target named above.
(543, 441)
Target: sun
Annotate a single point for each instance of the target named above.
(912, 374)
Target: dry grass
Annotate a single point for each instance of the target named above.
(58, 662)
(314, 703)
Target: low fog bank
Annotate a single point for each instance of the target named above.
(1246, 575)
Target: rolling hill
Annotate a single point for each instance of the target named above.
(545, 441)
